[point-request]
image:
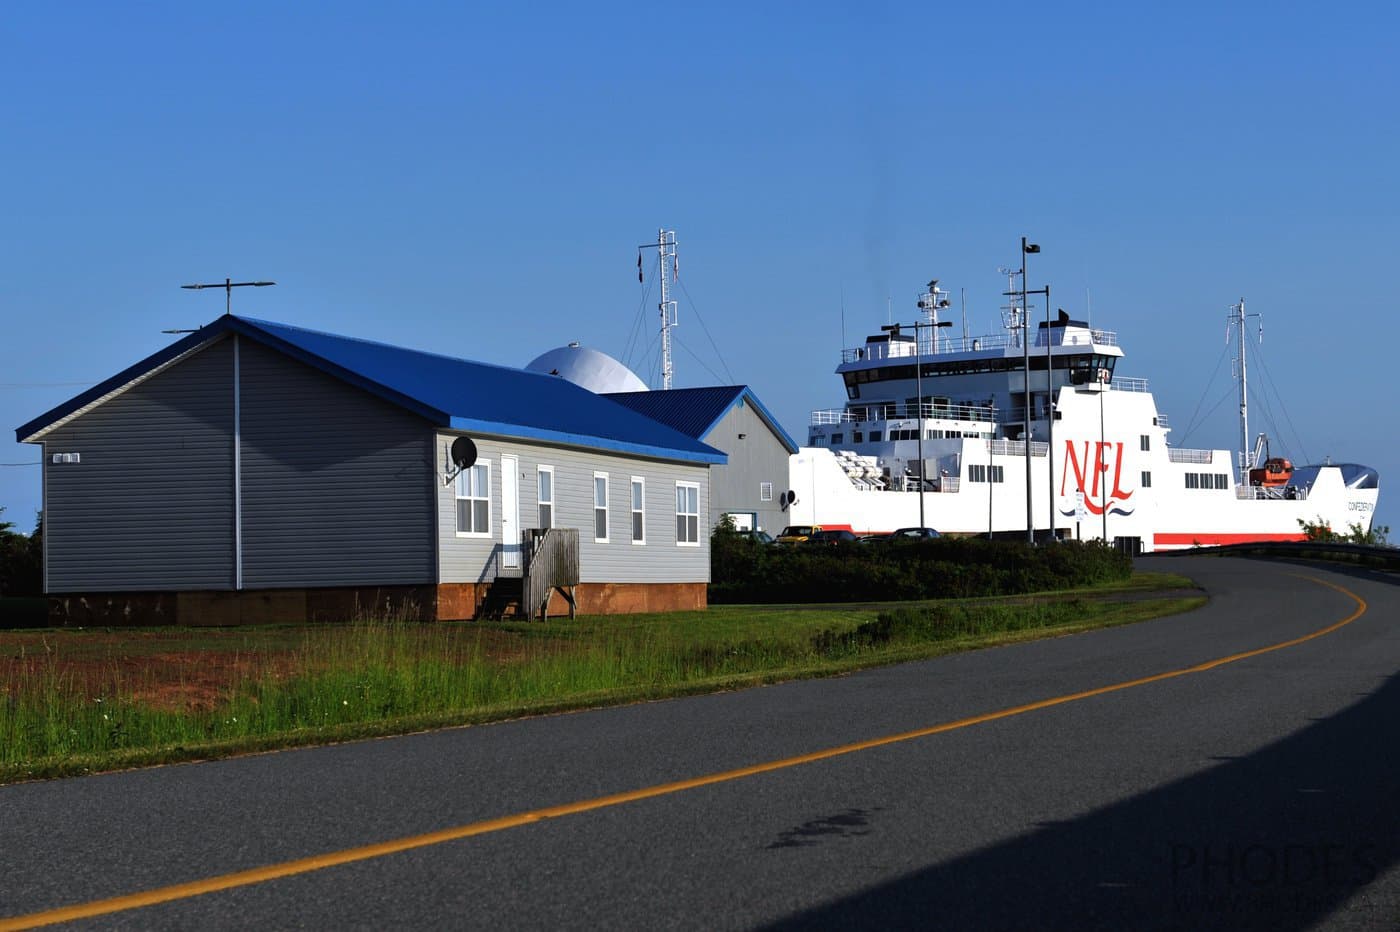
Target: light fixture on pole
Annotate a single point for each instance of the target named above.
(1027, 249)
(228, 285)
(1049, 403)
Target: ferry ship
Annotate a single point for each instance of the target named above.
(1033, 432)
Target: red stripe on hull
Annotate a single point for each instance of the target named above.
(1216, 540)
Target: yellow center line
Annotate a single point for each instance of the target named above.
(367, 852)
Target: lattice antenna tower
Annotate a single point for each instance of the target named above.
(666, 249)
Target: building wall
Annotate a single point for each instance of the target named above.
(149, 504)
(337, 483)
(659, 560)
(760, 457)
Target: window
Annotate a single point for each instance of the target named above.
(1147, 480)
(1193, 480)
(874, 436)
(1144, 442)
(600, 507)
(639, 524)
(1222, 480)
(857, 437)
(976, 473)
(545, 496)
(765, 491)
(474, 500)
(837, 438)
(687, 514)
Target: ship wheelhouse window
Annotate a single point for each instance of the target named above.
(874, 436)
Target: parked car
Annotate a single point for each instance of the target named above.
(913, 533)
(832, 538)
(797, 533)
(873, 538)
(763, 537)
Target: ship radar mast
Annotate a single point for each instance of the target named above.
(931, 302)
(1011, 320)
(1235, 323)
(665, 247)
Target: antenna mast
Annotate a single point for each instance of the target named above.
(1236, 320)
(665, 247)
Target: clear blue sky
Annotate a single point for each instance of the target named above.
(475, 181)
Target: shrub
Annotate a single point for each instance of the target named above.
(745, 571)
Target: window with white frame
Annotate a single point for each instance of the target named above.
(545, 495)
(765, 491)
(474, 500)
(639, 522)
(600, 507)
(687, 514)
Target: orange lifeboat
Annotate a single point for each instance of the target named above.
(1275, 472)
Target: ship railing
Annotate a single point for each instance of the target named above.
(1162, 421)
(1017, 448)
(1175, 455)
(895, 411)
(1121, 384)
(1259, 492)
(903, 349)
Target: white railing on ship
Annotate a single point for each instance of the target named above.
(946, 345)
(1122, 384)
(894, 411)
(1017, 447)
(1190, 456)
(1290, 493)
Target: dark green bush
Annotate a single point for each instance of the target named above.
(743, 570)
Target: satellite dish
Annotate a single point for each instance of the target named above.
(790, 496)
(463, 453)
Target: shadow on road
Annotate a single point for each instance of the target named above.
(1277, 840)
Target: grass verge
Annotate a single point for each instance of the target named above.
(289, 687)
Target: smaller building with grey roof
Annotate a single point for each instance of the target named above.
(749, 486)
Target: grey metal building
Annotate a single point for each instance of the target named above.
(256, 471)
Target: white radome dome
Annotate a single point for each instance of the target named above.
(596, 371)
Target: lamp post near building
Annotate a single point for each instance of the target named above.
(1027, 249)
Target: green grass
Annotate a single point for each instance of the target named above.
(377, 677)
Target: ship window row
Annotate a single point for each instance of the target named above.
(979, 473)
(1080, 362)
(1207, 480)
(932, 433)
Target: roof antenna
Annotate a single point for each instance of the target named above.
(228, 285)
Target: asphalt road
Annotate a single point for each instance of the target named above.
(1257, 793)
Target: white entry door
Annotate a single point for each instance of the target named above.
(510, 512)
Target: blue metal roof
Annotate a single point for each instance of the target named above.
(456, 393)
(695, 411)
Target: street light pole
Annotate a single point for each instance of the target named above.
(1049, 402)
(1027, 249)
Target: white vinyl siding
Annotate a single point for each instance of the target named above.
(474, 501)
(545, 496)
(639, 511)
(600, 507)
(687, 514)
